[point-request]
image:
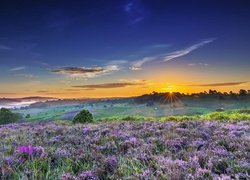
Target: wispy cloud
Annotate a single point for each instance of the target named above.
(137, 64)
(18, 68)
(186, 51)
(135, 68)
(24, 75)
(135, 11)
(191, 64)
(4, 93)
(158, 46)
(115, 65)
(79, 71)
(109, 85)
(43, 91)
(117, 62)
(167, 57)
(41, 63)
(4, 48)
(74, 78)
(72, 90)
(200, 64)
(220, 84)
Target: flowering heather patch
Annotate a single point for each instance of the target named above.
(126, 150)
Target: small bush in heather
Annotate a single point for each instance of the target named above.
(83, 116)
(6, 116)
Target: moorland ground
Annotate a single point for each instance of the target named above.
(194, 139)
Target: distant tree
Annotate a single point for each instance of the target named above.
(212, 91)
(218, 92)
(155, 93)
(83, 117)
(248, 91)
(6, 116)
(225, 93)
(242, 92)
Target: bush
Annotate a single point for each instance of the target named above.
(83, 117)
(6, 116)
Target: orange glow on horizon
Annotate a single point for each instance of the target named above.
(129, 91)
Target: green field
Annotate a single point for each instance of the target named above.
(110, 110)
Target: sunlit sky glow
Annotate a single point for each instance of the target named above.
(115, 48)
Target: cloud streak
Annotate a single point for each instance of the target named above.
(135, 11)
(80, 71)
(4, 48)
(18, 68)
(169, 56)
(186, 51)
(108, 85)
(220, 84)
(24, 75)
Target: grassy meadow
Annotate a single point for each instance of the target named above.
(195, 140)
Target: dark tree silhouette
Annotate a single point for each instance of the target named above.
(242, 92)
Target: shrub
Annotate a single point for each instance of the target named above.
(129, 118)
(83, 117)
(6, 116)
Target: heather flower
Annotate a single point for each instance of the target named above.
(132, 140)
(145, 175)
(220, 152)
(29, 150)
(20, 160)
(225, 177)
(56, 138)
(87, 129)
(87, 175)
(67, 176)
(228, 168)
(111, 163)
(114, 132)
(202, 173)
(40, 150)
(9, 160)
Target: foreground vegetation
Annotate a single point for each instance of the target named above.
(127, 149)
(220, 114)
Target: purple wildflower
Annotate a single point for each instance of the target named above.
(26, 150)
(132, 140)
(87, 175)
(41, 151)
(20, 160)
(86, 130)
(111, 163)
(67, 176)
(31, 151)
(10, 159)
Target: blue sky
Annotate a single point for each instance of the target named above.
(129, 47)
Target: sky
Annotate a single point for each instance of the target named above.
(118, 48)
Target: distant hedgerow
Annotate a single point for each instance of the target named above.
(83, 117)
